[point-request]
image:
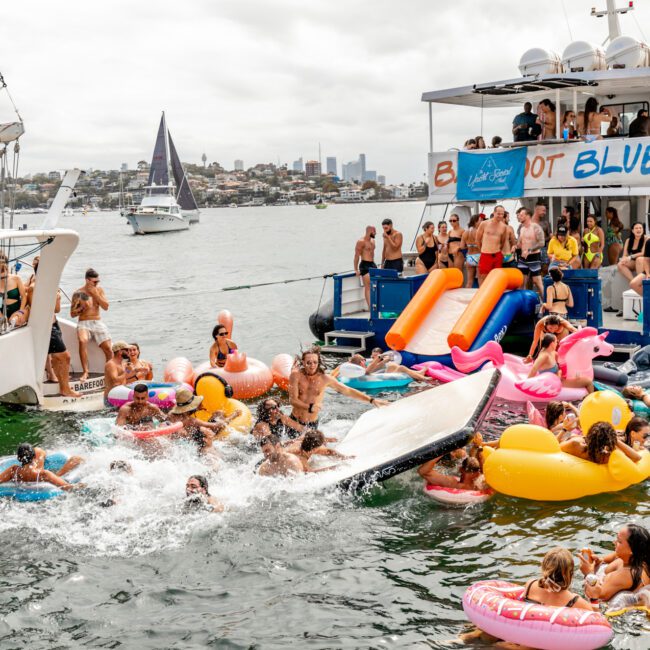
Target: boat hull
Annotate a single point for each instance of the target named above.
(146, 224)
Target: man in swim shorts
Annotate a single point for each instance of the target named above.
(307, 384)
(139, 413)
(530, 244)
(391, 255)
(86, 304)
(31, 468)
(491, 238)
(509, 259)
(364, 259)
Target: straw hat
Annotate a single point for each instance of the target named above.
(186, 401)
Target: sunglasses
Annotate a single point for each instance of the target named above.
(275, 407)
(453, 220)
(222, 334)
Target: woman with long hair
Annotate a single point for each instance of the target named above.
(427, 247)
(589, 126)
(470, 249)
(454, 244)
(593, 242)
(443, 245)
(13, 296)
(631, 263)
(613, 237)
(221, 347)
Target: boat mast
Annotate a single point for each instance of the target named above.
(612, 12)
(170, 189)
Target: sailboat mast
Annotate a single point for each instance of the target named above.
(167, 157)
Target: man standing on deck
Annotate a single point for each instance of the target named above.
(86, 303)
(530, 245)
(540, 218)
(524, 124)
(307, 384)
(491, 238)
(391, 256)
(509, 260)
(364, 259)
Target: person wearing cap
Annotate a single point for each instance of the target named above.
(115, 369)
(563, 250)
(32, 468)
(140, 412)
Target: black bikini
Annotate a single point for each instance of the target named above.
(630, 246)
(571, 603)
(452, 240)
(428, 258)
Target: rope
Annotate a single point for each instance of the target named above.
(566, 18)
(417, 230)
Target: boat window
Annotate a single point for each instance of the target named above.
(625, 113)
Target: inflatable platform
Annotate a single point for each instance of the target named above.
(442, 315)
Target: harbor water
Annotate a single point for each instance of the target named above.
(283, 567)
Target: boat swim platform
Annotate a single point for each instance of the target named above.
(387, 441)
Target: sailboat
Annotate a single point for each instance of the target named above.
(168, 204)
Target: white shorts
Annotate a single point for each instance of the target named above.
(97, 330)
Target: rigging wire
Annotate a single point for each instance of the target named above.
(639, 27)
(566, 18)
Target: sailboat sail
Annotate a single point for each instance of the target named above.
(158, 173)
(184, 194)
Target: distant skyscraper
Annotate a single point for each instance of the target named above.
(381, 180)
(370, 175)
(331, 166)
(297, 165)
(239, 165)
(312, 168)
(362, 163)
(356, 170)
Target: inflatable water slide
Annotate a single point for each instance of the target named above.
(442, 315)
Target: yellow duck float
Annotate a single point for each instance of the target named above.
(217, 396)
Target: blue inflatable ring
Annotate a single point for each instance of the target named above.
(378, 381)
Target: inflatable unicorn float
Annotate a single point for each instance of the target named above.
(575, 355)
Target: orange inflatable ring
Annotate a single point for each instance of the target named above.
(248, 377)
(281, 367)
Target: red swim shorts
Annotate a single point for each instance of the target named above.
(489, 261)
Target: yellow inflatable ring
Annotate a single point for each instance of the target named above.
(217, 396)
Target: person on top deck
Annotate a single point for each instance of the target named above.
(222, 346)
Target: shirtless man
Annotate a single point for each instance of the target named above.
(31, 468)
(490, 239)
(510, 244)
(364, 259)
(312, 444)
(86, 303)
(278, 462)
(530, 245)
(391, 255)
(540, 218)
(114, 370)
(197, 494)
(139, 413)
(307, 384)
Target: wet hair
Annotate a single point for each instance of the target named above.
(635, 424)
(358, 360)
(25, 453)
(387, 222)
(473, 220)
(311, 440)
(426, 225)
(271, 439)
(217, 328)
(198, 437)
(547, 339)
(556, 275)
(202, 481)
(263, 411)
(600, 441)
(638, 539)
(628, 393)
(470, 465)
(314, 349)
(554, 411)
(553, 320)
(141, 388)
(120, 466)
(557, 570)
(91, 273)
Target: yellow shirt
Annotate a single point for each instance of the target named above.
(563, 252)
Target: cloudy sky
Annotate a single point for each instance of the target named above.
(263, 80)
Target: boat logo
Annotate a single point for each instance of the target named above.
(491, 176)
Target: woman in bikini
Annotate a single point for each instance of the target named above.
(427, 248)
(13, 296)
(631, 263)
(613, 237)
(594, 241)
(559, 298)
(456, 258)
(221, 347)
(547, 358)
(470, 249)
(589, 121)
(443, 245)
(136, 368)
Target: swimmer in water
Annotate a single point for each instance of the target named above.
(277, 461)
(187, 404)
(382, 361)
(139, 413)
(198, 495)
(116, 467)
(31, 468)
(313, 444)
(469, 475)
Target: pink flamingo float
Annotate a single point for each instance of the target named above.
(575, 355)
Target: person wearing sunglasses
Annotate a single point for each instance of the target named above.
(271, 420)
(454, 243)
(221, 347)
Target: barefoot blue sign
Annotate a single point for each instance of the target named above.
(491, 175)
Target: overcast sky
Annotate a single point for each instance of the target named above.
(263, 80)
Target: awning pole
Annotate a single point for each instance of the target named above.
(430, 127)
(558, 133)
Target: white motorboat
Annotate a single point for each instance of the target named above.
(169, 203)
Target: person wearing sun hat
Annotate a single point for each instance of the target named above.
(187, 404)
(114, 370)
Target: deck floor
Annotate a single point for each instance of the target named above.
(612, 322)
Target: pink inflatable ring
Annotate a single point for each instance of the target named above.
(248, 377)
(147, 434)
(498, 608)
(456, 496)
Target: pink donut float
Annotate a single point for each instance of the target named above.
(456, 496)
(498, 608)
(148, 434)
(248, 377)
(281, 367)
(163, 395)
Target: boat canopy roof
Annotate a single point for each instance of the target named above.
(505, 94)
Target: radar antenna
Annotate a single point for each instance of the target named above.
(612, 17)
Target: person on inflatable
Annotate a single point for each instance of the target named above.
(636, 433)
(562, 420)
(469, 475)
(598, 445)
(187, 404)
(271, 420)
(197, 494)
(139, 413)
(381, 361)
(136, 369)
(31, 468)
(221, 347)
(551, 589)
(549, 325)
(547, 357)
(313, 444)
(636, 393)
(626, 569)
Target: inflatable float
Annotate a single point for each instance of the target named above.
(247, 377)
(103, 431)
(162, 395)
(41, 490)
(626, 601)
(456, 496)
(529, 464)
(159, 430)
(217, 396)
(281, 368)
(498, 608)
(354, 376)
(575, 354)
(179, 371)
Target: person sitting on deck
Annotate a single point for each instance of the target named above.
(637, 281)
(563, 251)
(559, 298)
(631, 263)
